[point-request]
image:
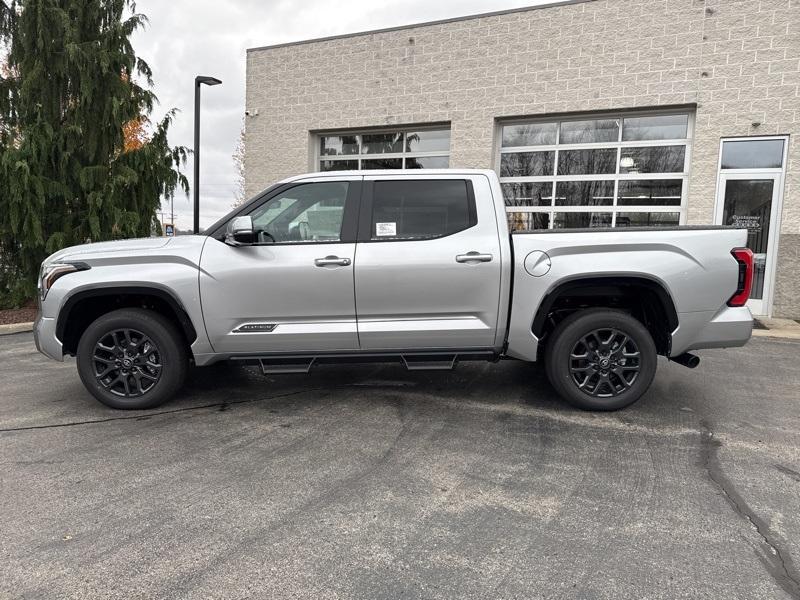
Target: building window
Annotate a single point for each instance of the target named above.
(390, 149)
(625, 170)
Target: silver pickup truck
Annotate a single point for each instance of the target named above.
(412, 266)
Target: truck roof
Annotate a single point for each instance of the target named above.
(411, 173)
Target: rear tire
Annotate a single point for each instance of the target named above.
(132, 359)
(601, 359)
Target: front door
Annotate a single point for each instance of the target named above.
(293, 290)
(428, 264)
(750, 202)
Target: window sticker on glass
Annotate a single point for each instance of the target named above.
(384, 229)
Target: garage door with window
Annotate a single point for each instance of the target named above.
(611, 170)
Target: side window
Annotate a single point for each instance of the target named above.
(421, 209)
(309, 212)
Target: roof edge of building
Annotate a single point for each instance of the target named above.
(495, 13)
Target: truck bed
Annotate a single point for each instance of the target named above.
(693, 264)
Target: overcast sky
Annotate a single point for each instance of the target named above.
(190, 37)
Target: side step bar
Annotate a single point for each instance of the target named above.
(429, 363)
(284, 366)
(413, 361)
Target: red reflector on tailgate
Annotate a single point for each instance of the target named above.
(744, 256)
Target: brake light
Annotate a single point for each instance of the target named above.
(743, 256)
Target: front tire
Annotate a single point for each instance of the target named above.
(132, 359)
(601, 359)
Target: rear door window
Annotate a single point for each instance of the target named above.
(421, 209)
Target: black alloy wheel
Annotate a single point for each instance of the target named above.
(605, 363)
(127, 363)
(132, 358)
(600, 359)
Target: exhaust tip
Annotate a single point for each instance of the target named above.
(688, 360)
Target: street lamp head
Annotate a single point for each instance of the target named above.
(206, 80)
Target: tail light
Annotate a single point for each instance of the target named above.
(743, 256)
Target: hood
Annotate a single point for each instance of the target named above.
(134, 246)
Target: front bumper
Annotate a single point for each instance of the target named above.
(44, 336)
(727, 328)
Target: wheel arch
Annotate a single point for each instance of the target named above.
(83, 307)
(647, 299)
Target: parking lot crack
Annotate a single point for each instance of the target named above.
(791, 473)
(774, 555)
(147, 415)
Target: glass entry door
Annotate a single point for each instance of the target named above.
(750, 201)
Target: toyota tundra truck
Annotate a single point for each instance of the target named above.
(417, 267)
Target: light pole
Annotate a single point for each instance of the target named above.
(198, 81)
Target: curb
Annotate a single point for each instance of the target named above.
(791, 334)
(16, 328)
(777, 328)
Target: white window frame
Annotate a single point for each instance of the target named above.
(616, 177)
(404, 129)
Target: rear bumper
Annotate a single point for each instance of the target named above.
(44, 336)
(727, 328)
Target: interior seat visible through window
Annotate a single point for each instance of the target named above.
(306, 213)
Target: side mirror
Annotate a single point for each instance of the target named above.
(240, 232)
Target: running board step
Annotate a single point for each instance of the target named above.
(276, 366)
(433, 362)
(413, 361)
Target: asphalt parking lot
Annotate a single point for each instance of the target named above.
(373, 482)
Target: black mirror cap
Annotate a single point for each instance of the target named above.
(243, 238)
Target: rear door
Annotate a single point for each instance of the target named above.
(428, 263)
(292, 291)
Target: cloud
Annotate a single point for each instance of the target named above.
(186, 38)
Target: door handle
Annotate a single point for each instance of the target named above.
(332, 260)
(473, 257)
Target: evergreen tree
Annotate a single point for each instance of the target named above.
(66, 173)
(7, 11)
(7, 14)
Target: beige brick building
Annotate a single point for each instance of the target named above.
(593, 112)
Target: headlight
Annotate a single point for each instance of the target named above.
(51, 272)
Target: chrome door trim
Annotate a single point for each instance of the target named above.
(455, 324)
